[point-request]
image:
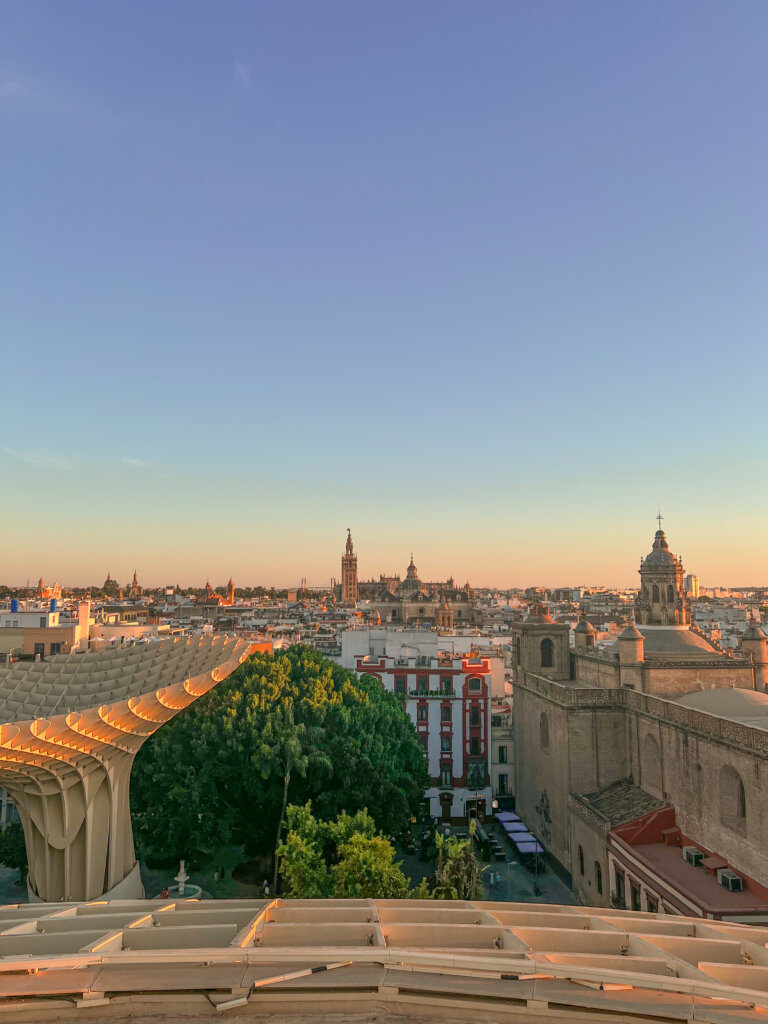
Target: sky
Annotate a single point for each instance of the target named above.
(485, 282)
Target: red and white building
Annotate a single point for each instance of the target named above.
(448, 697)
(655, 867)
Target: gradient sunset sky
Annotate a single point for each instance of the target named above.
(485, 282)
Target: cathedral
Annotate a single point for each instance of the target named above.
(409, 601)
(660, 652)
(641, 767)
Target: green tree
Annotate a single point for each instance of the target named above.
(457, 871)
(13, 849)
(342, 858)
(281, 729)
(367, 870)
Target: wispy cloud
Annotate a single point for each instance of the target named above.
(135, 463)
(242, 75)
(41, 458)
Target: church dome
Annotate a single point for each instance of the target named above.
(660, 556)
(584, 626)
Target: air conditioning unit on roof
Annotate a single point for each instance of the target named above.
(729, 880)
(693, 855)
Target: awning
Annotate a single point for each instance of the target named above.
(507, 816)
(519, 838)
(533, 847)
(515, 826)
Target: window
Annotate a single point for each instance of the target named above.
(634, 888)
(733, 800)
(670, 593)
(39, 649)
(544, 732)
(599, 878)
(503, 784)
(496, 721)
(502, 755)
(445, 713)
(42, 622)
(475, 775)
(55, 648)
(547, 653)
(422, 713)
(422, 684)
(445, 743)
(621, 895)
(474, 715)
(652, 903)
(445, 775)
(474, 685)
(655, 593)
(399, 684)
(474, 746)
(581, 861)
(447, 684)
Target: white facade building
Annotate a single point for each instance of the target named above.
(447, 694)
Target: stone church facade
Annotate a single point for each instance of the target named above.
(630, 758)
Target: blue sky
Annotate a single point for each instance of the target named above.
(486, 281)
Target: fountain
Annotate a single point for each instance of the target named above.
(181, 889)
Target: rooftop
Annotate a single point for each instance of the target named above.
(623, 801)
(77, 682)
(409, 959)
(750, 707)
(674, 641)
(700, 886)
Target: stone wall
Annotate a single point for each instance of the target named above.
(598, 736)
(588, 831)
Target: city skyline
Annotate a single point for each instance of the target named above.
(488, 287)
(368, 571)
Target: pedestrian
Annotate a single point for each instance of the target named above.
(266, 887)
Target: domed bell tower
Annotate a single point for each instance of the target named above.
(662, 600)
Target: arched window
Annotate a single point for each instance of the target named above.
(655, 597)
(670, 593)
(544, 732)
(581, 861)
(547, 653)
(599, 878)
(733, 800)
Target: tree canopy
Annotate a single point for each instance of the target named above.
(344, 858)
(13, 850)
(216, 775)
(457, 871)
